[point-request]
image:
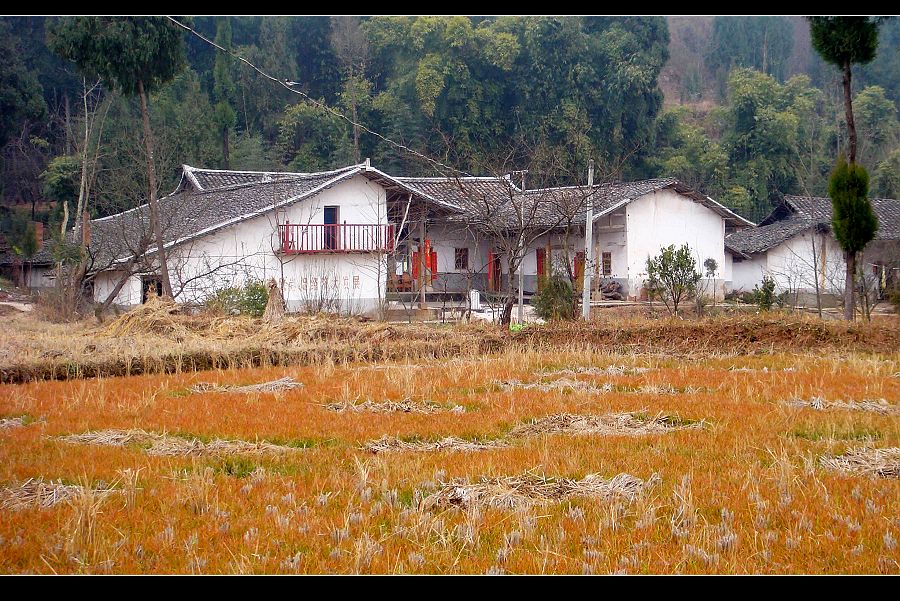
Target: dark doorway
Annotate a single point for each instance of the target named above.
(541, 255)
(149, 283)
(332, 217)
(493, 272)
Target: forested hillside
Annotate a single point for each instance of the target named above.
(740, 107)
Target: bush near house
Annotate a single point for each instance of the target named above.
(555, 299)
(249, 299)
(672, 276)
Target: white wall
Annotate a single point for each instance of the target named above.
(746, 274)
(727, 271)
(106, 281)
(611, 235)
(245, 251)
(665, 217)
(445, 239)
(792, 266)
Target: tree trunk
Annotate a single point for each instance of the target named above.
(816, 274)
(356, 154)
(154, 207)
(848, 109)
(506, 315)
(849, 297)
(126, 273)
(226, 151)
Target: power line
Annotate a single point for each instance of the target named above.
(288, 86)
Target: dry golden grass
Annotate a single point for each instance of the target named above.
(159, 338)
(747, 492)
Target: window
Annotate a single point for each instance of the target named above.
(462, 259)
(607, 264)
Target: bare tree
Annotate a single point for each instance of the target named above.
(352, 48)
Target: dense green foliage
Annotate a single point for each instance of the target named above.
(854, 222)
(249, 299)
(672, 276)
(555, 298)
(763, 114)
(125, 51)
(764, 295)
(845, 40)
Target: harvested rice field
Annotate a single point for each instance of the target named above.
(528, 460)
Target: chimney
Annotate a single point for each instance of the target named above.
(368, 164)
(86, 228)
(39, 234)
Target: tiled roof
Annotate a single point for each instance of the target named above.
(803, 213)
(499, 200)
(207, 179)
(189, 213)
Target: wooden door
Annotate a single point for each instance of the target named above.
(541, 255)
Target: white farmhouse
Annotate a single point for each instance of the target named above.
(794, 246)
(325, 237)
(355, 239)
(632, 222)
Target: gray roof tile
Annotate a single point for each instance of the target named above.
(803, 213)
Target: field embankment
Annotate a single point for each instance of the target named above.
(159, 338)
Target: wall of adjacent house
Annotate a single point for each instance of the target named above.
(248, 250)
(747, 273)
(39, 276)
(793, 265)
(105, 282)
(665, 217)
(727, 272)
(445, 239)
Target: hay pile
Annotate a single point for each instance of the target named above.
(34, 492)
(560, 384)
(611, 424)
(404, 406)
(612, 370)
(879, 463)
(880, 406)
(173, 446)
(286, 383)
(450, 443)
(530, 488)
(11, 422)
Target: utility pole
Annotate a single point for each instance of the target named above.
(588, 246)
(524, 252)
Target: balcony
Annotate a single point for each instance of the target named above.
(299, 239)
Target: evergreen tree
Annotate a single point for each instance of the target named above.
(843, 41)
(135, 55)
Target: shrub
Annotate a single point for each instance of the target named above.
(250, 299)
(555, 299)
(672, 276)
(765, 296)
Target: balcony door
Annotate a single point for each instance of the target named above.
(332, 218)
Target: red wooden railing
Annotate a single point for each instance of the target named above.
(338, 238)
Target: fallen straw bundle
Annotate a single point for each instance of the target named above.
(404, 406)
(450, 443)
(530, 488)
(880, 406)
(173, 446)
(612, 370)
(560, 384)
(11, 422)
(286, 383)
(610, 424)
(34, 492)
(880, 463)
